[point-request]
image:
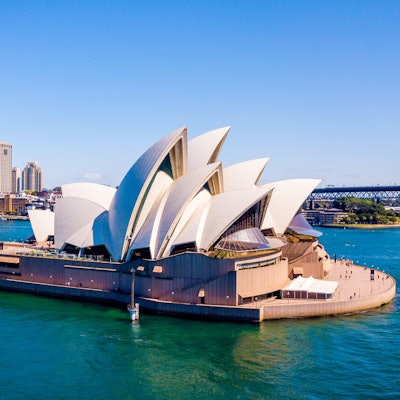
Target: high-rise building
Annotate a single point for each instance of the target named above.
(5, 167)
(16, 180)
(32, 177)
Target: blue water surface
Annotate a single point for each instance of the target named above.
(58, 349)
(15, 230)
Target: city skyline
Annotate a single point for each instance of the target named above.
(86, 89)
(11, 179)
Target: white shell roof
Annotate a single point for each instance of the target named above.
(71, 215)
(83, 237)
(130, 193)
(161, 183)
(286, 199)
(99, 194)
(225, 209)
(204, 149)
(199, 202)
(159, 208)
(193, 229)
(42, 222)
(218, 215)
(165, 215)
(267, 223)
(245, 174)
(92, 234)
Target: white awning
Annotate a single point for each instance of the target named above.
(311, 285)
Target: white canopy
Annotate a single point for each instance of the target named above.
(309, 285)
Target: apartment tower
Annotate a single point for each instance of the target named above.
(32, 177)
(5, 167)
(16, 180)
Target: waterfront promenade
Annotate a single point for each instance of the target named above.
(356, 293)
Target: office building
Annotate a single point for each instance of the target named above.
(5, 167)
(15, 180)
(32, 177)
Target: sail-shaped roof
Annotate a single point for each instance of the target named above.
(165, 215)
(72, 214)
(218, 215)
(244, 175)
(225, 209)
(287, 197)
(99, 194)
(177, 196)
(131, 193)
(42, 222)
(204, 149)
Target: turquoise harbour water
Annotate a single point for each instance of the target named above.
(58, 349)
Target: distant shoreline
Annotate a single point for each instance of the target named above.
(360, 226)
(14, 217)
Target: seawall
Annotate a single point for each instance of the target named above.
(83, 294)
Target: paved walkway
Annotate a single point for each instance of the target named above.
(15, 247)
(354, 283)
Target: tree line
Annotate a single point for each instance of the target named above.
(363, 211)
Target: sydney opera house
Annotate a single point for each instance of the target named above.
(201, 239)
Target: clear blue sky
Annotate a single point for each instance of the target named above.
(87, 86)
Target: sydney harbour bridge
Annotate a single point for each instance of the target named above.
(375, 193)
